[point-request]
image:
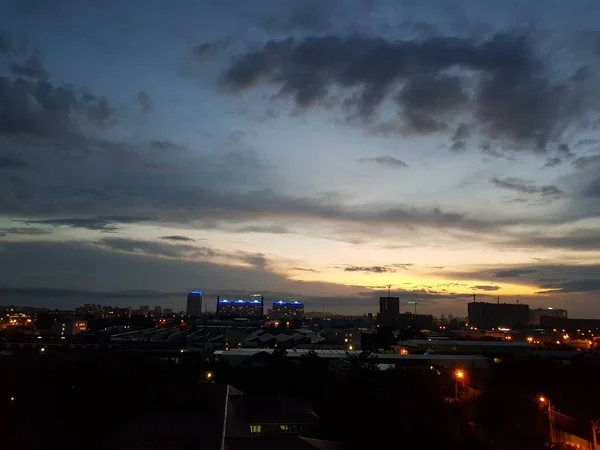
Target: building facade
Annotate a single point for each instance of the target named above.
(194, 304)
(389, 310)
(70, 327)
(536, 314)
(239, 308)
(287, 310)
(496, 315)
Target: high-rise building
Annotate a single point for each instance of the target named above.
(240, 308)
(287, 310)
(389, 310)
(496, 315)
(536, 314)
(194, 304)
(157, 311)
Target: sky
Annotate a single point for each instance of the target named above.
(300, 149)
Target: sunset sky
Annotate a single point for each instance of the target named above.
(319, 150)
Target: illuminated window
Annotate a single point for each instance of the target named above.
(284, 427)
(254, 428)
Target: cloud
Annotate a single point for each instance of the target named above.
(36, 107)
(459, 140)
(303, 269)
(145, 101)
(31, 68)
(586, 161)
(9, 163)
(385, 161)
(525, 187)
(553, 162)
(24, 231)
(256, 260)
(485, 288)
(390, 268)
(269, 229)
(159, 249)
(108, 224)
(513, 273)
(208, 50)
(577, 239)
(548, 278)
(588, 285)
(138, 277)
(514, 99)
(178, 238)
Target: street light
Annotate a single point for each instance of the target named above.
(459, 377)
(545, 402)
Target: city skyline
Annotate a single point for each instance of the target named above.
(312, 151)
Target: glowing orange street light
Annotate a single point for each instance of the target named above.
(545, 402)
(459, 377)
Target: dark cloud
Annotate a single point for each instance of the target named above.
(513, 273)
(38, 108)
(269, 229)
(160, 249)
(385, 161)
(589, 285)
(78, 294)
(586, 161)
(178, 238)
(108, 223)
(9, 163)
(514, 99)
(256, 260)
(548, 278)
(134, 276)
(389, 268)
(145, 101)
(31, 68)
(166, 146)
(369, 269)
(525, 187)
(208, 50)
(24, 231)
(459, 140)
(552, 162)
(303, 269)
(579, 240)
(485, 288)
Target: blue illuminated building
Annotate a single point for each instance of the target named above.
(194, 304)
(287, 309)
(240, 308)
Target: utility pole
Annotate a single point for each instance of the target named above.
(595, 430)
(551, 423)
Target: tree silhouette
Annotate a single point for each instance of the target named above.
(365, 361)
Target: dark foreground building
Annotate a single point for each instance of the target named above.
(269, 422)
(496, 315)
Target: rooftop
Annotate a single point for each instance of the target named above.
(455, 343)
(327, 353)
